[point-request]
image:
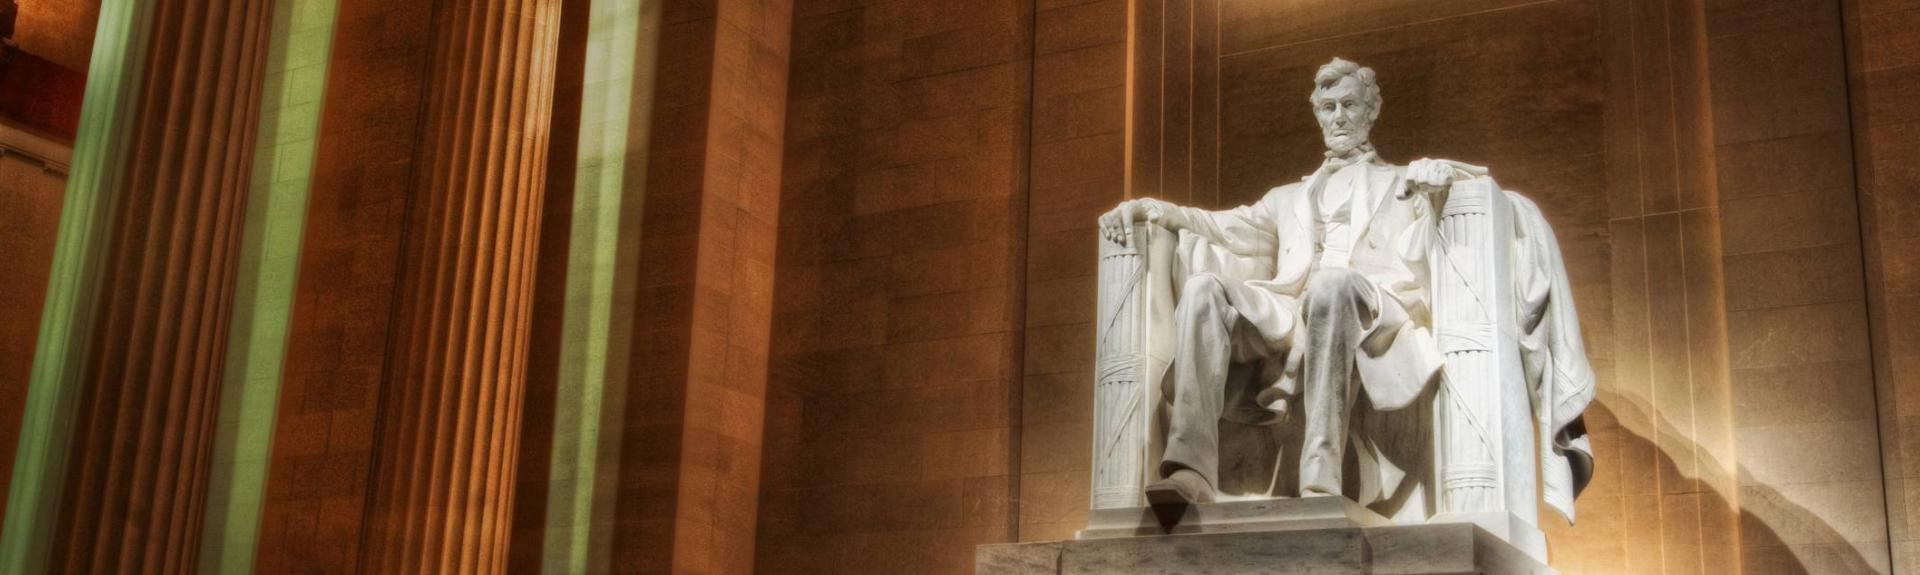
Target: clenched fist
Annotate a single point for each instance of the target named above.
(1430, 176)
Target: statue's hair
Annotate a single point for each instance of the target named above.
(1331, 73)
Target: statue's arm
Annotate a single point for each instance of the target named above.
(1423, 183)
(1245, 230)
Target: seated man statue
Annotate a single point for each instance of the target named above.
(1343, 309)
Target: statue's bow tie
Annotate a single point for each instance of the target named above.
(1359, 155)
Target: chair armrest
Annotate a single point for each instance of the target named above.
(1133, 335)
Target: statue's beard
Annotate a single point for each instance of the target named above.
(1345, 143)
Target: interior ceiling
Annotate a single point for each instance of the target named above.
(60, 31)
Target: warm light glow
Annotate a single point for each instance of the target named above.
(622, 45)
(40, 464)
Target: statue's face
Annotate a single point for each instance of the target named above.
(1346, 118)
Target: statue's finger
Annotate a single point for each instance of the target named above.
(1470, 170)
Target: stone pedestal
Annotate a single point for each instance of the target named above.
(1231, 517)
(1449, 548)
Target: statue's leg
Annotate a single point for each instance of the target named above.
(1337, 313)
(1203, 321)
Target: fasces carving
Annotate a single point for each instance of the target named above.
(1394, 335)
(1135, 340)
(1123, 410)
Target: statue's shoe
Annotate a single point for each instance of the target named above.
(1184, 487)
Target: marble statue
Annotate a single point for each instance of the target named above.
(1393, 335)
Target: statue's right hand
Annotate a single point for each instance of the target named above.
(1117, 224)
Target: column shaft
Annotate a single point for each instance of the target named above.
(450, 417)
(143, 429)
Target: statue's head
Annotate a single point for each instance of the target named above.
(1346, 101)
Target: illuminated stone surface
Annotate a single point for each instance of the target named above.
(1438, 549)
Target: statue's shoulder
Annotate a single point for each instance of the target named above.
(1520, 200)
(1281, 195)
(1284, 190)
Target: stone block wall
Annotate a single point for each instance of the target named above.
(889, 423)
(324, 442)
(1806, 431)
(1078, 167)
(1883, 62)
(30, 201)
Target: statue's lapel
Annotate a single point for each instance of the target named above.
(1380, 184)
(1303, 201)
(1297, 240)
(1374, 195)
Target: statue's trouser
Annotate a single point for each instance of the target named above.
(1338, 313)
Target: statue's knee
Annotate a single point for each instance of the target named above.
(1202, 287)
(1201, 298)
(1335, 280)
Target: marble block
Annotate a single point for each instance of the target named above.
(1432, 549)
(1291, 514)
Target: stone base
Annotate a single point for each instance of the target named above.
(1290, 514)
(1431, 549)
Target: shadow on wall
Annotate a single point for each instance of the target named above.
(1760, 547)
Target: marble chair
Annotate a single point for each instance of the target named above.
(1465, 452)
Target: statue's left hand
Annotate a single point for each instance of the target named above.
(1429, 176)
(1117, 224)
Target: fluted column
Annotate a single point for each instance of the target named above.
(137, 463)
(450, 416)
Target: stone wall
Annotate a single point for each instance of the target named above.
(1884, 77)
(1810, 495)
(897, 293)
(30, 201)
(59, 30)
(688, 491)
(337, 344)
(54, 40)
(1079, 158)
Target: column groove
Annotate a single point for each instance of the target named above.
(141, 444)
(451, 419)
